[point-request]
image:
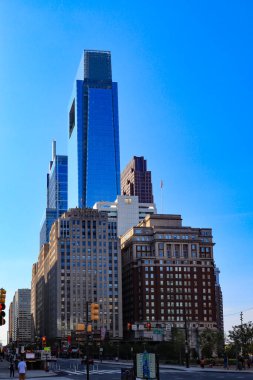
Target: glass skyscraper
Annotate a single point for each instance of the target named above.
(57, 193)
(94, 162)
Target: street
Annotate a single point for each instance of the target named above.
(69, 369)
(112, 371)
(115, 374)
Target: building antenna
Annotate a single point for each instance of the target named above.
(161, 187)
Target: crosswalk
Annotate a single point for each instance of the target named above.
(103, 371)
(98, 372)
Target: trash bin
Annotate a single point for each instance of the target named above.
(126, 374)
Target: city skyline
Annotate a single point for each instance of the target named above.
(168, 108)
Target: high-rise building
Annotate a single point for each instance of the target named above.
(10, 325)
(57, 193)
(219, 301)
(80, 264)
(126, 211)
(21, 317)
(38, 293)
(136, 180)
(94, 161)
(168, 278)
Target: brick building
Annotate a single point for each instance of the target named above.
(168, 275)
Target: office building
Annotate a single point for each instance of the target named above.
(80, 264)
(136, 180)
(57, 193)
(21, 317)
(168, 278)
(94, 160)
(219, 301)
(38, 293)
(10, 325)
(126, 211)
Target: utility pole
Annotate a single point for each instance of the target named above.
(241, 319)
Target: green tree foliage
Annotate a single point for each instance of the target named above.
(241, 337)
(211, 343)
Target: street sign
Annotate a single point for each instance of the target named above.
(146, 366)
(30, 355)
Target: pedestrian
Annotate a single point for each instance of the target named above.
(225, 362)
(22, 369)
(12, 369)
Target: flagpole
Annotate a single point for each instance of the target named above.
(161, 186)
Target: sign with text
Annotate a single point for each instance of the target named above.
(146, 366)
(30, 355)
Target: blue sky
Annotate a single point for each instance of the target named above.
(184, 70)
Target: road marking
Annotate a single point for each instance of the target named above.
(99, 372)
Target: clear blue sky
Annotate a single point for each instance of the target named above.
(184, 70)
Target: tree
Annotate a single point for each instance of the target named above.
(241, 337)
(178, 341)
(211, 343)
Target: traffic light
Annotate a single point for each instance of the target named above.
(2, 314)
(2, 295)
(148, 326)
(2, 306)
(129, 326)
(89, 328)
(94, 311)
(44, 341)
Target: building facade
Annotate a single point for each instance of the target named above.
(168, 275)
(126, 211)
(57, 193)
(136, 180)
(21, 317)
(94, 160)
(10, 325)
(80, 264)
(219, 301)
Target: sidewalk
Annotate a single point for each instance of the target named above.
(30, 374)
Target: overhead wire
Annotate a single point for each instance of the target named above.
(238, 312)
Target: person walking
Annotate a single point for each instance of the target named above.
(12, 368)
(22, 369)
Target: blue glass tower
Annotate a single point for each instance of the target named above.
(94, 163)
(57, 193)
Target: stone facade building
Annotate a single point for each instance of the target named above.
(80, 264)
